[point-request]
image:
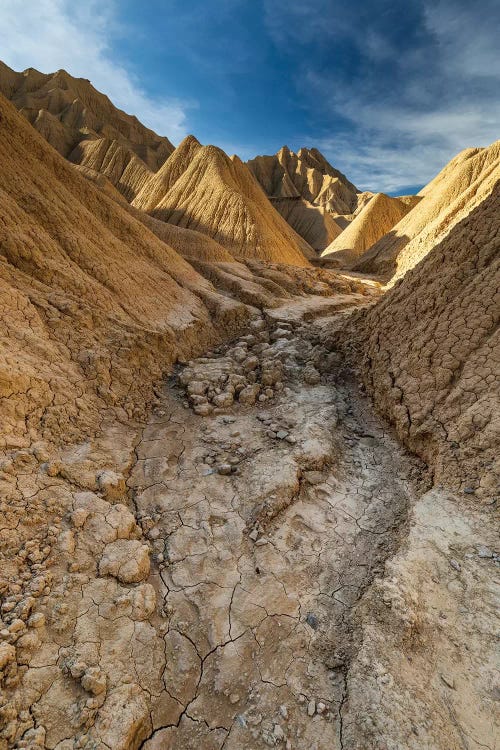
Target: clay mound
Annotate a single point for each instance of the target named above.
(446, 200)
(218, 196)
(94, 306)
(432, 347)
(121, 166)
(159, 184)
(377, 217)
(306, 174)
(313, 223)
(83, 125)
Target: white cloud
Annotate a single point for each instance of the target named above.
(389, 132)
(53, 34)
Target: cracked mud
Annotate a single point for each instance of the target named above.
(208, 587)
(259, 569)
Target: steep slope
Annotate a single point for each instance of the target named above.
(432, 347)
(83, 125)
(313, 223)
(309, 193)
(447, 199)
(89, 296)
(376, 218)
(201, 188)
(307, 174)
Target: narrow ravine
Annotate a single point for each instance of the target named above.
(268, 521)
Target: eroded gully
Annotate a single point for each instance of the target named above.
(268, 521)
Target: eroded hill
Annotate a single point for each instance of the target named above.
(446, 200)
(374, 220)
(316, 199)
(85, 127)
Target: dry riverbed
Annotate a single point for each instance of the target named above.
(260, 565)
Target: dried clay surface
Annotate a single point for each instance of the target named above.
(431, 353)
(210, 536)
(242, 576)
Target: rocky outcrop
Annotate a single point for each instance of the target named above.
(305, 174)
(309, 193)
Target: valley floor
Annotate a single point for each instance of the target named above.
(278, 573)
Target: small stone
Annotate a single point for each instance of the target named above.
(7, 654)
(484, 552)
(278, 732)
(224, 469)
(282, 434)
(37, 620)
(54, 468)
(260, 542)
(198, 400)
(111, 484)
(203, 410)
(301, 699)
(249, 394)
(469, 490)
(94, 681)
(250, 363)
(254, 535)
(455, 565)
(223, 399)
(16, 626)
(312, 620)
(311, 708)
(126, 560)
(311, 375)
(284, 711)
(234, 698)
(290, 439)
(321, 708)
(271, 434)
(197, 388)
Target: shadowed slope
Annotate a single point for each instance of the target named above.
(201, 188)
(314, 223)
(89, 297)
(432, 348)
(448, 198)
(375, 219)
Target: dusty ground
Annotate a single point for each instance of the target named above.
(275, 573)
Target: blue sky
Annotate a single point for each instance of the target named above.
(388, 91)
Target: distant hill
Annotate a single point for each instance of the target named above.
(375, 219)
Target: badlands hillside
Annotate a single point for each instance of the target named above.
(451, 196)
(374, 221)
(248, 500)
(317, 200)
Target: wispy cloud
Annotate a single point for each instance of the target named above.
(398, 95)
(53, 34)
